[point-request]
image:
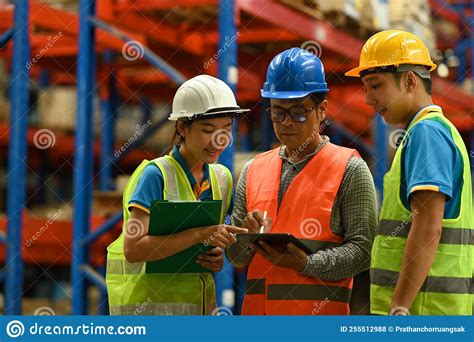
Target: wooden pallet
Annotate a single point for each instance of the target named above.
(342, 21)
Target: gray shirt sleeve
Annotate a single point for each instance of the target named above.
(356, 202)
(240, 254)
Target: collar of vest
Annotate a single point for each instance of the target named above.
(422, 112)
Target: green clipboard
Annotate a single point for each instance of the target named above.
(167, 217)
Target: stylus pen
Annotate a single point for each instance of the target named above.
(264, 218)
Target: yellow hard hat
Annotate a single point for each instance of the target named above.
(392, 48)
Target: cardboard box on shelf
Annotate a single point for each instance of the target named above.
(121, 181)
(128, 123)
(67, 5)
(375, 15)
(63, 212)
(4, 109)
(468, 85)
(131, 126)
(161, 139)
(446, 29)
(57, 108)
(409, 10)
(106, 203)
(350, 8)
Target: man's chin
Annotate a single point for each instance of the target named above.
(291, 142)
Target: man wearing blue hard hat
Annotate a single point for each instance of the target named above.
(320, 193)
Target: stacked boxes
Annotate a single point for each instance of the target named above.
(413, 16)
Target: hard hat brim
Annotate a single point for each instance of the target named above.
(289, 94)
(356, 71)
(234, 112)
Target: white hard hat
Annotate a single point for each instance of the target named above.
(204, 95)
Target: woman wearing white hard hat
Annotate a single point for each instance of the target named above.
(203, 108)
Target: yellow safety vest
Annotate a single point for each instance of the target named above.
(448, 288)
(131, 291)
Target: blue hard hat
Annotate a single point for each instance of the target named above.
(293, 74)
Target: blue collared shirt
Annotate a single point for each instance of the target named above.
(431, 161)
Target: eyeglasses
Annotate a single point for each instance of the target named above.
(298, 114)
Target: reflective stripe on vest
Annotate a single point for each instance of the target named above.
(432, 284)
(115, 266)
(273, 290)
(449, 235)
(171, 191)
(131, 290)
(223, 176)
(448, 289)
(154, 309)
(298, 291)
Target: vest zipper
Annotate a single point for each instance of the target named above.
(203, 294)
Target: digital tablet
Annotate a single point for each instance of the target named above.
(282, 239)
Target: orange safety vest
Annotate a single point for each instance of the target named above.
(305, 212)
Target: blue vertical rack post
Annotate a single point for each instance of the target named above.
(106, 177)
(17, 154)
(227, 71)
(83, 163)
(109, 107)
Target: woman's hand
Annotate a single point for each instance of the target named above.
(213, 259)
(220, 235)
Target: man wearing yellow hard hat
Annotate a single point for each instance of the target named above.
(422, 258)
